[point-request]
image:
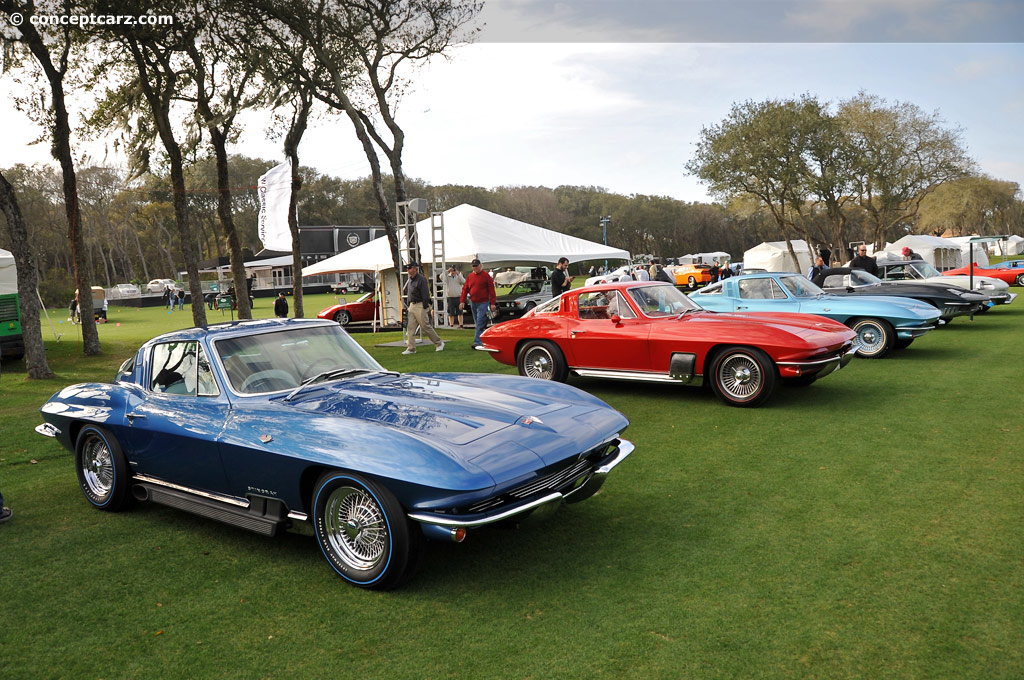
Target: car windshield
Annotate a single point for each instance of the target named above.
(859, 277)
(527, 287)
(665, 300)
(364, 297)
(924, 270)
(281, 360)
(800, 287)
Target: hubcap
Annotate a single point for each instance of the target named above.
(739, 376)
(538, 364)
(97, 467)
(356, 528)
(869, 338)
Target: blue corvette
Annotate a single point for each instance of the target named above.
(881, 323)
(264, 423)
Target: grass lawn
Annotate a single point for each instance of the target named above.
(870, 526)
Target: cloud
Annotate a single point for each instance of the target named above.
(708, 21)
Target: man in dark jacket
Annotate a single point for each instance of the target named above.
(560, 279)
(417, 294)
(863, 261)
(281, 306)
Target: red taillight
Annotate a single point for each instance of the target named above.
(459, 534)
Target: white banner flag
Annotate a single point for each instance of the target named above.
(275, 194)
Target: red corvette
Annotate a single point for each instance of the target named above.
(351, 312)
(653, 332)
(1012, 277)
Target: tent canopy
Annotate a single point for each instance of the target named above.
(941, 253)
(773, 256)
(8, 273)
(471, 232)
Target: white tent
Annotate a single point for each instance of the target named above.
(1014, 245)
(8, 273)
(980, 253)
(774, 256)
(471, 232)
(941, 253)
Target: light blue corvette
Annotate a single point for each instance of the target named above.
(881, 323)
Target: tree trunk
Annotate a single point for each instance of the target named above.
(291, 151)
(227, 223)
(61, 150)
(28, 282)
(159, 103)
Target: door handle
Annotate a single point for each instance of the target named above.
(132, 416)
(573, 333)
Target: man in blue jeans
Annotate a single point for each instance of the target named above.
(479, 288)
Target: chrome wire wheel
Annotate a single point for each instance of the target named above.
(874, 338)
(356, 528)
(538, 363)
(739, 376)
(97, 467)
(102, 469)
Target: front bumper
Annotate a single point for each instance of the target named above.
(908, 332)
(820, 367)
(580, 489)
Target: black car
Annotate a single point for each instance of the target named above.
(950, 300)
(523, 297)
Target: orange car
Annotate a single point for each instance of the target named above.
(692, 275)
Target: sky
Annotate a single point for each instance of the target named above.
(615, 94)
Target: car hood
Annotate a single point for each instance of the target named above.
(464, 409)
(964, 281)
(814, 329)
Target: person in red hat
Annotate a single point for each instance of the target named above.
(909, 254)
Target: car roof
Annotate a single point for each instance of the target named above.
(230, 329)
(619, 285)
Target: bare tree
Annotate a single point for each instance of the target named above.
(359, 48)
(57, 119)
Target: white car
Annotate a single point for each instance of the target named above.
(123, 290)
(620, 274)
(158, 285)
(919, 271)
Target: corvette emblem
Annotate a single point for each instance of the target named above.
(530, 420)
(266, 438)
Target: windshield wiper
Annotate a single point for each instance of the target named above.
(326, 375)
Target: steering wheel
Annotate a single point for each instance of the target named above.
(323, 362)
(269, 377)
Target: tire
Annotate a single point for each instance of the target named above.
(902, 344)
(743, 376)
(875, 337)
(102, 469)
(542, 359)
(1020, 280)
(363, 532)
(529, 306)
(342, 317)
(691, 283)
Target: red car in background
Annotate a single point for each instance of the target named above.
(1012, 276)
(351, 312)
(653, 332)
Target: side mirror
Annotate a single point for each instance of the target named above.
(616, 319)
